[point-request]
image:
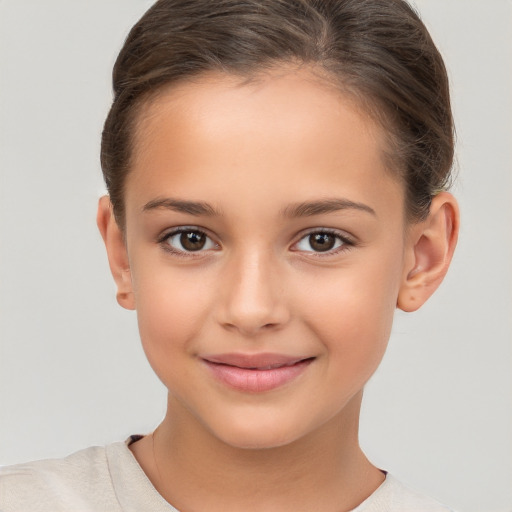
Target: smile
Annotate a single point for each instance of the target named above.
(256, 373)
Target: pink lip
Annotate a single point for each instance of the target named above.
(256, 372)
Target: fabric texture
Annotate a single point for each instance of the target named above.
(109, 479)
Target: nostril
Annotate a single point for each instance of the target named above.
(250, 328)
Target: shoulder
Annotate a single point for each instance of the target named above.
(407, 499)
(80, 481)
(393, 496)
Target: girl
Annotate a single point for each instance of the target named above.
(276, 175)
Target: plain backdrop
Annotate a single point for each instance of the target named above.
(437, 413)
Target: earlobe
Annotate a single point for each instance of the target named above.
(117, 253)
(429, 250)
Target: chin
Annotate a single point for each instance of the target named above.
(261, 442)
(257, 436)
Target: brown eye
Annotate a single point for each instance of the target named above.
(192, 240)
(188, 240)
(321, 242)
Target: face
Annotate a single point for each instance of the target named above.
(266, 245)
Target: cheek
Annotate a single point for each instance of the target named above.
(354, 336)
(351, 311)
(171, 310)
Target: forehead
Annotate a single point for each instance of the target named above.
(289, 130)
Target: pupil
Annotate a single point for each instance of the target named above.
(192, 240)
(321, 241)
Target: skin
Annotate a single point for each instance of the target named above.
(253, 152)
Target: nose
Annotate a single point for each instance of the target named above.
(252, 295)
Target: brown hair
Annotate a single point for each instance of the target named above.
(377, 49)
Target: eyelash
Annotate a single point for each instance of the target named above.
(346, 242)
(163, 241)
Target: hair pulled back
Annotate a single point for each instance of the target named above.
(379, 50)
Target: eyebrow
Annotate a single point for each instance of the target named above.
(304, 209)
(191, 207)
(310, 208)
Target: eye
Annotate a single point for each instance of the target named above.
(188, 240)
(322, 242)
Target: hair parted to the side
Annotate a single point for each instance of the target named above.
(378, 50)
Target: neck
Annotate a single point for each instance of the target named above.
(194, 470)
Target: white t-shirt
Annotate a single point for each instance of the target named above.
(109, 479)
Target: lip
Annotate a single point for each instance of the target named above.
(256, 373)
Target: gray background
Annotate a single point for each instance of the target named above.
(437, 413)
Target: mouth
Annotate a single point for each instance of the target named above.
(256, 373)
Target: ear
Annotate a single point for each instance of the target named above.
(117, 253)
(429, 251)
